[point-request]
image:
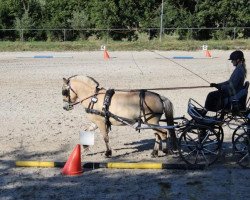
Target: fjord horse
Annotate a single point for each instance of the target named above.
(119, 107)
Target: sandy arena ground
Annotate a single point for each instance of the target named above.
(34, 126)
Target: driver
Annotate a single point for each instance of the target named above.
(215, 99)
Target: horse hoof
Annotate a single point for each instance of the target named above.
(166, 151)
(154, 154)
(85, 147)
(108, 153)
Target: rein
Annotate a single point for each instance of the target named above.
(80, 101)
(166, 88)
(181, 66)
(107, 99)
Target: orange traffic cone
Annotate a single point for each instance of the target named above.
(106, 55)
(73, 165)
(207, 53)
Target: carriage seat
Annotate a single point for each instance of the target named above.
(237, 103)
(198, 114)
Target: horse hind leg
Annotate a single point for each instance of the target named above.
(156, 146)
(167, 143)
(160, 138)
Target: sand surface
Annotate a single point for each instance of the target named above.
(34, 126)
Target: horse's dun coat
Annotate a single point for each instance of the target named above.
(124, 108)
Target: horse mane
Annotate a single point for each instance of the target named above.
(86, 79)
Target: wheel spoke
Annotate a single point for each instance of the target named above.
(196, 157)
(188, 145)
(204, 139)
(240, 151)
(203, 155)
(243, 158)
(210, 143)
(207, 150)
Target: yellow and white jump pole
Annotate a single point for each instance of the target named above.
(46, 164)
(143, 165)
(112, 165)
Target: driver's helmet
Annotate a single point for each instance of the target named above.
(236, 55)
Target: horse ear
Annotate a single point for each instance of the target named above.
(65, 80)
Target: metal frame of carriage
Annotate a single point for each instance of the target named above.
(200, 138)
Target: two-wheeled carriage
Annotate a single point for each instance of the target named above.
(200, 138)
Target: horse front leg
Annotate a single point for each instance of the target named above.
(108, 152)
(104, 131)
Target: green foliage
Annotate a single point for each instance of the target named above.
(134, 16)
(79, 21)
(24, 24)
(223, 13)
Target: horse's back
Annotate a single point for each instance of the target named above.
(128, 104)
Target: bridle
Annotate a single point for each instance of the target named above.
(66, 92)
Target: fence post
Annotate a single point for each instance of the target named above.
(21, 35)
(161, 24)
(234, 32)
(64, 35)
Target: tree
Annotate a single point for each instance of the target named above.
(228, 13)
(23, 24)
(80, 20)
(57, 14)
(179, 14)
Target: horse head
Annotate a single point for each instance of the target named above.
(69, 95)
(78, 87)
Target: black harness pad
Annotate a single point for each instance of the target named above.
(105, 107)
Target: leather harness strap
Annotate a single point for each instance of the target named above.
(107, 114)
(105, 107)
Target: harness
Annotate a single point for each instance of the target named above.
(107, 114)
(142, 119)
(105, 107)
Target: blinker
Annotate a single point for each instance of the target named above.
(65, 93)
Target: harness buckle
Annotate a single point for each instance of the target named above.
(94, 99)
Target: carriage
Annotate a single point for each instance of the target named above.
(201, 138)
(198, 140)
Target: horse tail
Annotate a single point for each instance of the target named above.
(168, 110)
(169, 114)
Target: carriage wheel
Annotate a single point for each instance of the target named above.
(200, 144)
(241, 146)
(238, 131)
